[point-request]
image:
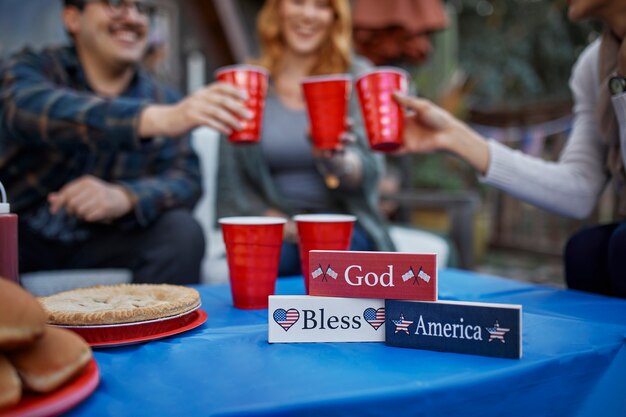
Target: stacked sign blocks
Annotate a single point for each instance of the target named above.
(390, 297)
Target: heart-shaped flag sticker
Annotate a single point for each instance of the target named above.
(286, 318)
(374, 317)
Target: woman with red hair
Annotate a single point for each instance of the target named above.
(284, 174)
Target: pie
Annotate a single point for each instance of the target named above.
(117, 304)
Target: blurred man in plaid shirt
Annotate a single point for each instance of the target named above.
(95, 154)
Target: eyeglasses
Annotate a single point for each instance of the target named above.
(118, 8)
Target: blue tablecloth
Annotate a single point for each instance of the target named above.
(574, 364)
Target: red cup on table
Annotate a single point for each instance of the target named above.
(253, 251)
(322, 232)
(253, 80)
(326, 98)
(382, 115)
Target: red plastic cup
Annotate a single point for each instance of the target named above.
(254, 80)
(326, 98)
(253, 252)
(383, 116)
(322, 232)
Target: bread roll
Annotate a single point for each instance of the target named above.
(22, 318)
(10, 385)
(52, 360)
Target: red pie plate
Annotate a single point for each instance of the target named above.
(143, 331)
(59, 401)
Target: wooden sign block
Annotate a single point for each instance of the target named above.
(392, 275)
(451, 326)
(325, 319)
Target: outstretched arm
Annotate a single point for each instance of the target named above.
(38, 107)
(219, 105)
(570, 186)
(429, 128)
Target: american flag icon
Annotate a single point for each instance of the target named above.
(420, 274)
(331, 273)
(374, 317)
(286, 318)
(317, 272)
(423, 276)
(497, 332)
(402, 325)
(408, 275)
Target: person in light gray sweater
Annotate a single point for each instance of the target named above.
(595, 154)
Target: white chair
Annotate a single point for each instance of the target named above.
(214, 266)
(44, 283)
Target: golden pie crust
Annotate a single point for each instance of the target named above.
(117, 304)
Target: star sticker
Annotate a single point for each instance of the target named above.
(497, 332)
(402, 325)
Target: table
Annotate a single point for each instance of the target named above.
(574, 364)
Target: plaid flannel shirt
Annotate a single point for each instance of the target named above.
(54, 128)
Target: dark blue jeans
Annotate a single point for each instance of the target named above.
(169, 251)
(595, 260)
(290, 255)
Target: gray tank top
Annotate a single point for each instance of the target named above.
(287, 150)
